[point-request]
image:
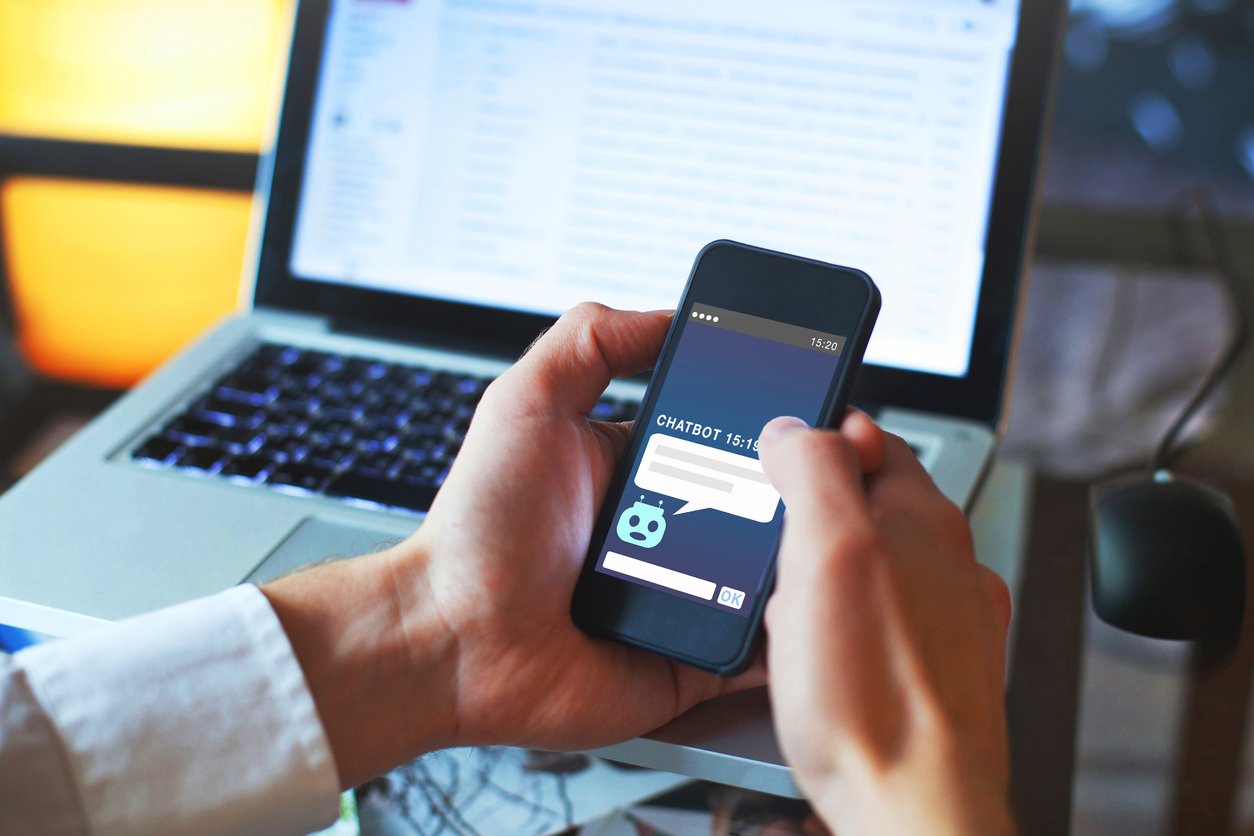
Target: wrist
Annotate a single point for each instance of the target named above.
(939, 793)
(376, 656)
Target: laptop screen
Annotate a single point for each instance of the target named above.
(530, 155)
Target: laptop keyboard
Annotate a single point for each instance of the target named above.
(315, 422)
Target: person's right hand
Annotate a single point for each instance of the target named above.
(885, 642)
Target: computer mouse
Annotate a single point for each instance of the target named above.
(1167, 558)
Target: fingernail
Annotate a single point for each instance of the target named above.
(784, 424)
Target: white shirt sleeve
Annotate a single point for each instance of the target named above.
(193, 720)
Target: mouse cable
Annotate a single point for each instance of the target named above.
(1194, 204)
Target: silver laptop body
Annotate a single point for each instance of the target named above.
(448, 177)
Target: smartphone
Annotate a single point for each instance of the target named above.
(682, 556)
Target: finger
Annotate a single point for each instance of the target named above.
(616, 433)
(567, 369)
(899, 456)
(817, 472)
(999, 612)
(866, 437)
(998, 594)
(901, 484)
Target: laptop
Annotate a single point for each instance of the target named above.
(449, 176)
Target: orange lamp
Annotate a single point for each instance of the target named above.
(191, 73)
(108, 279)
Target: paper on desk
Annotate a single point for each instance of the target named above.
(490, 790)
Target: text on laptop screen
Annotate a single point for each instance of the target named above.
(533, 155)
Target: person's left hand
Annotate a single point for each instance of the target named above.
(503, 543)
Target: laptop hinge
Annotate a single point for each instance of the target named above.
(424, 338)
(283, 316)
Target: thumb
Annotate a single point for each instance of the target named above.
(567, 369)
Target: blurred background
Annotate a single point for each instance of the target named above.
(1155, 95)
(129, 131)
(129, 138)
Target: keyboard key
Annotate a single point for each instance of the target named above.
(159, 450)
(413, 472)
(291, 407)
(308, 362)
(374, 426)
(250, 388)
(269, 354)
(306, 476)
(382, 491)
(609, 409)
(369, 446)
(282, 428)
(240, 440)
(331, 391)
(284, 449)
(340, 432)
(343, 414)
(414, 455)
(376, 464)
(246, 467)
(200, 458)
(227, 409)
(420, 430)
(334, 456)
(374, 402)
(418, 378)
(192, 430)
(472, 387)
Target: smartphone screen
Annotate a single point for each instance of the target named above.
(683, 549)
(698, 518)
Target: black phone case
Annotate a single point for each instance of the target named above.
(585, 612)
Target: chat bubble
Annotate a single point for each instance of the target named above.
(706, 477)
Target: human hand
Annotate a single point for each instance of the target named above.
(885, 640)
(501, 549)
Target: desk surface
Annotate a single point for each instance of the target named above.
(1113, 733)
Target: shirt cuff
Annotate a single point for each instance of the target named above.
(194, 719)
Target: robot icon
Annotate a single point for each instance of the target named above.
(642, 525)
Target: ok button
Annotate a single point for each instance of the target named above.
(729, 597)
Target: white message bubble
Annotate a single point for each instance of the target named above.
(706, 477)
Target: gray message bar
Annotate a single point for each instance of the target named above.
(712, 464)
(689, 476)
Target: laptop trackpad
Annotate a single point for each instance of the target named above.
(319, 541)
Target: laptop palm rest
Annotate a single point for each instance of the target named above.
(316, 540)
(728, 740)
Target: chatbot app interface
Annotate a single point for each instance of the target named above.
(698, 518)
